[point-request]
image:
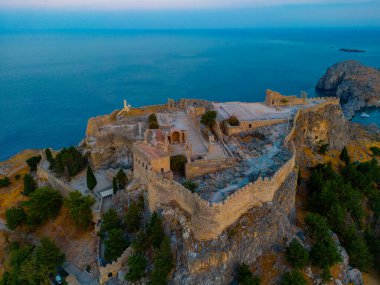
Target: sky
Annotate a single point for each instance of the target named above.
(166, 14)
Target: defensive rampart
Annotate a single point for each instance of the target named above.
(204, 166)
(56, 183)
(210, 219)
(114, 267)
(251, 125)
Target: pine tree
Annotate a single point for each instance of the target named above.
(114, 185)
(29, 184)
(91, 179)
(344, 156)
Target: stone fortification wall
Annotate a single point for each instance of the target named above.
(210, 219)
(95, 123)
(205, 166)
(251, 125)
(114, 267)
(56, 183)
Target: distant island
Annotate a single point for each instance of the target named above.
(351, 50)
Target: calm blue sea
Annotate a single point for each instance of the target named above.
(51, 82)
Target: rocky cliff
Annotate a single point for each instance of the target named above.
(213, 262)
(356, 85)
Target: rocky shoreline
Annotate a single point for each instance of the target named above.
(356, 85)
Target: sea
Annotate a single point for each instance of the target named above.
(52, 81)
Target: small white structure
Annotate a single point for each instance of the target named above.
(125, 110)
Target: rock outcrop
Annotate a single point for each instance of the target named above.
(322, 124)
(356, 85)
(213, 262)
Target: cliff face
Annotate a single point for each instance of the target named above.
(324, 123)
(356, 85)
(213, 262)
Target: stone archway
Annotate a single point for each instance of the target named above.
(175, 138)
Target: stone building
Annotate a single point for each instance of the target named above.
(274, 98)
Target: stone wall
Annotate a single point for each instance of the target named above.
(114, 267)
(205, 166)
(210, 219)
(56, 183)
(251, 125)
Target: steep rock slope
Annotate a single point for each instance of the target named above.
(356, 85)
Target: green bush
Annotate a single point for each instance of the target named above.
(325, 253)
(29, 185)
(155, 230)
(49, 156)
(69, 162)
(4, 182)
(91, 179)
(293, 278)
(137, 266)
(18, 176)
(344, 156)
(162, 265)
(79, 207)
(115, 244)
(245, 277)
(233, 121)
(15, 217)
(44, 204)
(208, 118)
(110, 220)
(33, 162)
(192, 186)
(152, 119)
(133, 217)
(177, 163)
(375, 150)
(297, 255)
(323, 148)
(121, 179)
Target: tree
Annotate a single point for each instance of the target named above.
(79, 207)
(115, 244)
(297, 255)
(114, 185)
(4, 182)
(91, 179)
(192, 186)
(141, 242)
(233, 121)
(44, 260)
(375, 150)
(69, 160)
(121, 178)
(344, 156)
(33, 162)
(110, 220)
(44, 203)
(15, 217)
(208, 118)
(293, 278)
(49, 156)
(29, 185)
(163, 264)
(152, 119)
(156, 230)
(137, 266)
(245, 277)
(177, 163)
(133, 217)
(325, 253)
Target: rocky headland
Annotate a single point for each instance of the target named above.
(356, 85)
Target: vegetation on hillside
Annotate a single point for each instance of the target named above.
(4, 182)
(152, 120)
(191, 185)
(31, 265)
(79, 207)
(245, 277)
(91, 179)
(177, 163)
(68, 162)
(348, 203)
(33, 162)
(29, 185)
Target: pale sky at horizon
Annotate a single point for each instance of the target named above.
(164, 4)
(162, 14)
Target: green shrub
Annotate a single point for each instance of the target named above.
(115, 244)
(233, 121)
(33, 162)
(4, 182)
(192, 186)
(137, 266)
(153, 125)
(297, 255)
(133, 217)
(245, 277)
(29, 185)
(18, 176)
(162, 264)
(177, 163)
(208, 118)
(79, 207)
(69, 162)
(44, 204)
(15, 217)
(375, 150)
(344, 156)
(121, 179)
(156, 230)
(293, 278)
(323, 148)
